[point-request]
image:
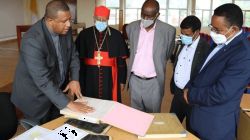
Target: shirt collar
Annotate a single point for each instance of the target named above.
(233, 37)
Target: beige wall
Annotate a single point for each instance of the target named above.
(85, 9)
(11, 14)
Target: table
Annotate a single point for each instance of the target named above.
(115, 133)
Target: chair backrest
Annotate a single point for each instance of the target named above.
(19, 30)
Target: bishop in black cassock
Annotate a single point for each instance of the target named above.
(103, 54)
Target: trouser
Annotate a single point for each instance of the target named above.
(145, 94)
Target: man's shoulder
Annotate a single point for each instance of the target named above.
(87, 30)
(115, 31)
(203, 42)
(164, 26)
(134, 24)
(34, 32)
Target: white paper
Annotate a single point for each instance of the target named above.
(65, 132)
(33, 134)
(101, 107)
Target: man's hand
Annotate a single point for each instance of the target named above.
(73, 88)
(80, 107)
(122, 86)
(185, 94)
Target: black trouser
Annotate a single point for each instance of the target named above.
(181, 109)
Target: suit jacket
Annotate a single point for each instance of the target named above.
(36, 83)
(217, 90)
(200, 54)
(164, 40)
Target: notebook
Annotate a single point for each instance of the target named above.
(165, 125)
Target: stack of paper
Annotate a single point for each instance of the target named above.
(115, 114)
(33, 133)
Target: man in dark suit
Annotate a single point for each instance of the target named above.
(216, 91)
(189, 59)
(47, 58)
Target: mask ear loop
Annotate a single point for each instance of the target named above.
(195, 37)
(228, 32)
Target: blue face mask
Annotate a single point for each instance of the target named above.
(100, 25)
(187, 40)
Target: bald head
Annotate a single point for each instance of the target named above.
(150, 7)
(53, 7)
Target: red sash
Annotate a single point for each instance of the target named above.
(105, 61)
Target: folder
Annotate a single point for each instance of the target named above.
(113, 113)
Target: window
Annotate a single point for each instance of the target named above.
(171, 13)
(113, 5)
(245, 6)
(204, 9)
(203, 12)
(177, 11)
(133, 10)
(174, 11)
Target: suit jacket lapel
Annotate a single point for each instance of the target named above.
(197, 56)
(63, 48)
(48, 39)
(136, 36)
(157, 35)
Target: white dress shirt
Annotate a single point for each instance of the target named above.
(184, 64)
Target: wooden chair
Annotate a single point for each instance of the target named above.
(20, 29)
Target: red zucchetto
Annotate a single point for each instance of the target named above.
(102, 11)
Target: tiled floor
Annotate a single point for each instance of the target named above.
(8, 60)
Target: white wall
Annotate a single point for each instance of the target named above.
(11, 14)
(85, 11)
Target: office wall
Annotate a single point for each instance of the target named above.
(85, 9)
(11, 14)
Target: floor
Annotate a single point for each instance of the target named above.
(8, 60)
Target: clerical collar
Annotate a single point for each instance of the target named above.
(100, 32)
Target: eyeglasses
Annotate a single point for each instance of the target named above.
(214, 29)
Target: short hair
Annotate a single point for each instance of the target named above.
(232, 13)
(156, 4)
(191, 22)
(53, 7)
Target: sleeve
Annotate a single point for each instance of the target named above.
(230, 83)
(122, 70)
(40, 73)
(75, 62)
(80, 49)
(121, 60)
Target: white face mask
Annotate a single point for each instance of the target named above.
(146, 23)
(219, 38)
